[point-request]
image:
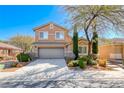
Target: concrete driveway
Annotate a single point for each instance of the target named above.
(43, 69)
(55, 73)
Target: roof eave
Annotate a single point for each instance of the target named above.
(36, 28)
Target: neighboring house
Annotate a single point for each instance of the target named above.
(82, 44)
(118, 40)
(50, 41)
(112, 50)
(8, 50)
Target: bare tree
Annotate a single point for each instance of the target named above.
(24, 42)
(107, 19)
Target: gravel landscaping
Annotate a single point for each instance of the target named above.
(55, 73)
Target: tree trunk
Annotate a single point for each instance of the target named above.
(89, 47)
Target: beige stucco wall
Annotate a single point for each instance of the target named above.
(51, 33)
(51, 37)
(106, 50)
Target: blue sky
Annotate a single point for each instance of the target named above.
(22, 19)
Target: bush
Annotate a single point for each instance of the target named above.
(82, 63)
(73, 63)
(88, 59)
(84, 58)
(22, 57)
(68, 59)
(70, 64)
(14, 64)
(1, 58)
(102, 63)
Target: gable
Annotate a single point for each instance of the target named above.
(48, 27)
(82, 42)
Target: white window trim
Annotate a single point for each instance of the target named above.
(86, 49)
(43, 38)
(58, 38)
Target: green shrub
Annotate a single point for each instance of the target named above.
(22, 57)
(84, 58)
(82, 64)
(88, 59)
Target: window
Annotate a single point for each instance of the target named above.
(59, 35)
(44, 35)
(83, 49)
(4, 51)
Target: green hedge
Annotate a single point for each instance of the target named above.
(88, 59)
(82, 64)
(22, 57)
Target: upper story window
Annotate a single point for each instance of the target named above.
(83, 49)
(44, 35)
(59, 35)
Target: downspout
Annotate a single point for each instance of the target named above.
(123, 51)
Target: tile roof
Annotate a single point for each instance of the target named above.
(8, 46)
(48, 24)
(118, 40)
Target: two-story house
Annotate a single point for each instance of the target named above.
(50, 41)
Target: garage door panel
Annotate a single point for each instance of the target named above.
(51, 53)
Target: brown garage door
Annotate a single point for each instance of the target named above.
(51, 53)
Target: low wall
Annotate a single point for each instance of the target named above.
(106, 50)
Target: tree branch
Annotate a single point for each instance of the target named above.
(87, 27)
